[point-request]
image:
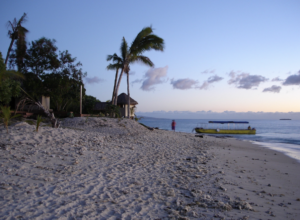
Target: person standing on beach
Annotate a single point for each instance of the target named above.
(173, 125)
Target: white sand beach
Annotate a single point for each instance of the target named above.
(103, 168)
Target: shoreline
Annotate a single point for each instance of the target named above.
(103, 168)
(294, 154)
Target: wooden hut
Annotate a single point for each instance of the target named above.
(122, 102)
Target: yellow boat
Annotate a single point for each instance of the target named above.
(220, 130)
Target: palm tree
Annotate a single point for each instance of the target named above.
(8, 74)
(144, 41)
(115, 66)
(17, 32)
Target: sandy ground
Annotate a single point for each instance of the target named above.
(102, 168)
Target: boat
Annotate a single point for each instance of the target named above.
(233, 127)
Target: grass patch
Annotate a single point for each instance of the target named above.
(38, 121)
(30, 122)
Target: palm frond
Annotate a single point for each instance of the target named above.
(12, 26)
(22, 19)
(112, 57)
(109, 57)
(114, 66)
(148, 43)
(124, 49)
(145, 60)
(10, 74)
(142, 34)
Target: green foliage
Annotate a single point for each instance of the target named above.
(38, 121)
(8, 86)
(6, 116)
(8, 89)
(144, 41)
(113, 110)
(2, 64)
(137, 118)
(41, 57)
(63, 90)
(101, 114)
(52, 73)
(88, 103)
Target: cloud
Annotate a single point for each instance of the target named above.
(205, 85)
(131, 73)
(93, 80)
(184, 83)
(153, 77)
(275, 89)
(209, 81)
(214, 78)
(292, 80)
(187, 83)
(277, 79)
(245, 80)
(208, 72)
(136, 81)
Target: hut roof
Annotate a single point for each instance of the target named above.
(123, 99)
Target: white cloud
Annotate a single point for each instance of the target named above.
(245, 80)
(206, 84)
(274, 88)
(93, 80)
(136, 81)
(214, 78)
(153, 77)
(292, 80)
(187, 83)
(184, 83)
(277, 79)
(208, 72)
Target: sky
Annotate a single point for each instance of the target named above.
(220, 56)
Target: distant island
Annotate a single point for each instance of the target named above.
(285, 119)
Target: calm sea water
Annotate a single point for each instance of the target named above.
(279, 135)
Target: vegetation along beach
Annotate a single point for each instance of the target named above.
(149, 110)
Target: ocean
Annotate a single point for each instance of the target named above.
(279, 135)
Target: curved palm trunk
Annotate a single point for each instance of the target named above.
(117, 89)
(114, 91)
(128, 93)
(9, 49)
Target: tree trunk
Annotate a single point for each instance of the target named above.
(9, 49)
(114, 91)
(128, 93)
(117, 89)
(54, 121)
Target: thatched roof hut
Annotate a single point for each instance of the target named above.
(123, 100)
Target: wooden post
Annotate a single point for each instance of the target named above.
(80, 100)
